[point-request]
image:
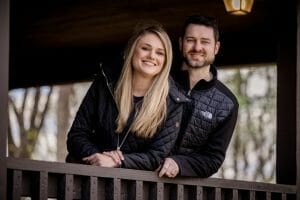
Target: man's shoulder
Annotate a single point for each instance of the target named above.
(220, 86)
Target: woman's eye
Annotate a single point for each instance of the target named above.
(146, 48)
(160, 53)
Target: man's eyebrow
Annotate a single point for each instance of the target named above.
(208, 39)
(189, 36)
(203, 38)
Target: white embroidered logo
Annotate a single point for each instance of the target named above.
(206, 114)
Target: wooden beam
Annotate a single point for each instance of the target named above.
(65, 36)
(4, 65)
(64, 24)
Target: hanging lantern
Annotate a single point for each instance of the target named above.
(238, 7)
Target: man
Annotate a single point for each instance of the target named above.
(210, 117)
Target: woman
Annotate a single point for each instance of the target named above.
(132, 122)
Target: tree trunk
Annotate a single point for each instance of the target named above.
(63, 118)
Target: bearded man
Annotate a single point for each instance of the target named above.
(209, 119)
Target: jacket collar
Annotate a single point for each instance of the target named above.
(175, 93)
(182, 78)
(111, 71)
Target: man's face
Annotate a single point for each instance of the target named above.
(198, 46)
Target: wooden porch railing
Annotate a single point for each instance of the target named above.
(43, 180)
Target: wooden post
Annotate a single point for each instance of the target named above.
(285, 25)
(4, 65)
(298, 101)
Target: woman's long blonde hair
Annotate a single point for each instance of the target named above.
(153, 110)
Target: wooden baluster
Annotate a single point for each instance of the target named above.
(43, 186)
(218, 194)
(283, 196)
(199, 193)
(93, 187)
(139, 190)
(268, 195)
(180, 192)
(69, 186)
(252, 195)
(117, 189)
(17, 185)
(235, 194)
(160, 191)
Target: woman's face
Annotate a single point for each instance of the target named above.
(149, 56)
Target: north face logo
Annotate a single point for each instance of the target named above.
(206, 114)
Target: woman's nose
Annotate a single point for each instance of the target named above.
(152, 55)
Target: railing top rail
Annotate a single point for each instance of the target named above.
(129, 174)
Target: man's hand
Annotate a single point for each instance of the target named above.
(169, 168)
(99, 159)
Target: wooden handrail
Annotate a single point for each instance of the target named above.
(21, 172)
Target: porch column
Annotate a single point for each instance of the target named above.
(286, 27)
(4, 65)
(298, 100)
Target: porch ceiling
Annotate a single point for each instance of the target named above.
(60, 41)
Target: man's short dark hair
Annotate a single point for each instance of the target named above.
(201, 20)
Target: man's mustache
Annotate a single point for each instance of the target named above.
(193, 51)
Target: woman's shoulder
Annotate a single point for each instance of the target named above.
(110, 71)
(175, 93)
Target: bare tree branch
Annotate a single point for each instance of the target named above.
(12, 148)
(46, 108)
(34, 112)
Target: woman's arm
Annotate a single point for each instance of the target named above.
(79, 142)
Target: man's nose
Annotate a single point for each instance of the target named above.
(197, 46)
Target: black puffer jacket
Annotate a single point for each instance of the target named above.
(93, 130)
(207, 126)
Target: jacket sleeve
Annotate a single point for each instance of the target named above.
(160, 145)
(79, 142)
(207, 162)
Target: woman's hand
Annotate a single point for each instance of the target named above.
(102, 160)
(116, 155)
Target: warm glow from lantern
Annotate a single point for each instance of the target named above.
(238, 7)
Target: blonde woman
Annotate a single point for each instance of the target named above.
(132, 122)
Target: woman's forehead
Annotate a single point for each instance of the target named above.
(151, 39)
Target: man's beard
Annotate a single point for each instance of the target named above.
(198, 64)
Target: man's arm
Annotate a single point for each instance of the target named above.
(207, 162)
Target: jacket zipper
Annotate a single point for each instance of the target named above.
(110, 91)
(108, 86)
(189, 93)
